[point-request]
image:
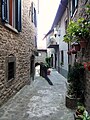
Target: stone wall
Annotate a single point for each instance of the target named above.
(20, 45)
(87, 95)
(86, 57)
(42, 54)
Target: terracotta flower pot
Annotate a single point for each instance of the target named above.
(83, 43)
(76, 46)
(73, 51)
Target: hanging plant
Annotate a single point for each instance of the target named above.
(79, 30)
(73, 51)
(76, 46)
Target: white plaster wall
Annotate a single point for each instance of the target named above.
(62, 45)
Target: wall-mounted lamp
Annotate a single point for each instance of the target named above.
(55, 32)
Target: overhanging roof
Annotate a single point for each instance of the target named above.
(60, 12)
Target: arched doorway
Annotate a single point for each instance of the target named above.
(32, 67)
(37, 69)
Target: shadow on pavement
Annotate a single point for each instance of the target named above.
(48, 80)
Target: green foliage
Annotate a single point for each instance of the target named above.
(76, 80)
(82, 113)
(88, 9)
(79, 29)
(48, 59)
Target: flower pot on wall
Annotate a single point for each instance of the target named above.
(71, 102)
(76, 46)
(83, 43)
(73, 51)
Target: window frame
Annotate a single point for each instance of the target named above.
(15, 23)
(10, 59)
(62, 56)
(33, 14)
(73, 7)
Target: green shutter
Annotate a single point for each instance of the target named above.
(4, 10)
(19, 21)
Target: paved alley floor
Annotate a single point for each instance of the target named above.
(39, 101)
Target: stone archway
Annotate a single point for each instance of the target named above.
(37, 69)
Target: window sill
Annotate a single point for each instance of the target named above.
(11, 28)
(9, 82)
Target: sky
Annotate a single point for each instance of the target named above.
(47, 12)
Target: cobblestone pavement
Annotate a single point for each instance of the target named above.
(39, 101)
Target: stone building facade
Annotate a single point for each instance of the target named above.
(42, 54)
(16, 49)
(78, 12)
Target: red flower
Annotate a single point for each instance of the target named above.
(85, 65)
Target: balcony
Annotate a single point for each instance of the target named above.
(52, 43)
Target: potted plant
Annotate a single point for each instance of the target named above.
(48, 71)
(81, 113)
(75, 92)
(48, 60)
(73, 51)
(78, 31)
(76, 46)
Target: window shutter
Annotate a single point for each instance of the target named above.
(4, 10)
(73, 6)
(19, 23)
(76, 3)
(10, 12)
(71, 9)
(35, 20)
(32, 12)
(35, 42)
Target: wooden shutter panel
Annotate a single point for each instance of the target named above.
(19, 23)
(10, 12)
(35, 20)
(32, 12)
(4, 10)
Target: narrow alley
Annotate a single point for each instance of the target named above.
(39, 101)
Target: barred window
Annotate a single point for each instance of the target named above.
(10, 67)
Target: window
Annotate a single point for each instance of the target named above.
(10, 67)
(74, 4)
(62, 57)
(10, 70)
(11, 13)
(32, 65)
(33, 14)
(66, 24)
(35, 42)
